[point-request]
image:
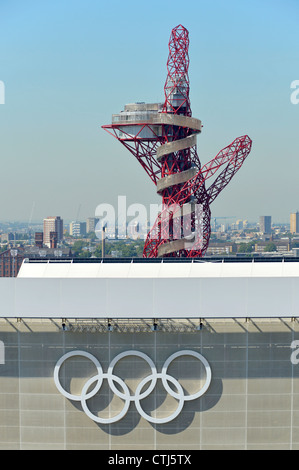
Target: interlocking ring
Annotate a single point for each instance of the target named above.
(125, 393)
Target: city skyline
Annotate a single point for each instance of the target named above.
(62, 83)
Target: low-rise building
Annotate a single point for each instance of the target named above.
(282, 246)
(221, 248)
(12, 259)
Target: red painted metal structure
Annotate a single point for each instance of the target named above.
(163, 139)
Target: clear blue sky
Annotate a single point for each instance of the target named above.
(67, 65)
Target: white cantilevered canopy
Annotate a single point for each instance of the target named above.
(196, 269)
(152, 290)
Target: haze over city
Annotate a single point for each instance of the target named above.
(68, 66)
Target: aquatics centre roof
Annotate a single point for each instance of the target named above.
(138, 289)
(173, 268)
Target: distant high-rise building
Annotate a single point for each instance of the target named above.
(53, 224)
(77, 229)
(265, 224)
(239, 224)
(91, 223)
(7, 237)
(294, 222)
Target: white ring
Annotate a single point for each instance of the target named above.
(207, 367)
(115, 418)
(138, 354)
(170, 417)
(66, 356)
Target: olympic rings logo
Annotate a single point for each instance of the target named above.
(139, 395)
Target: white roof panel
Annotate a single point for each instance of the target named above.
(159, 270)
(112, 289)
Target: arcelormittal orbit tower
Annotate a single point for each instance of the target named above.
(162, 136)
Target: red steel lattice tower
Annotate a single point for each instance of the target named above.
(162, 136)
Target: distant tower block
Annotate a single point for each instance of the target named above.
(294, 222)
(54, 225)
(265, 224)
(162, 136)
